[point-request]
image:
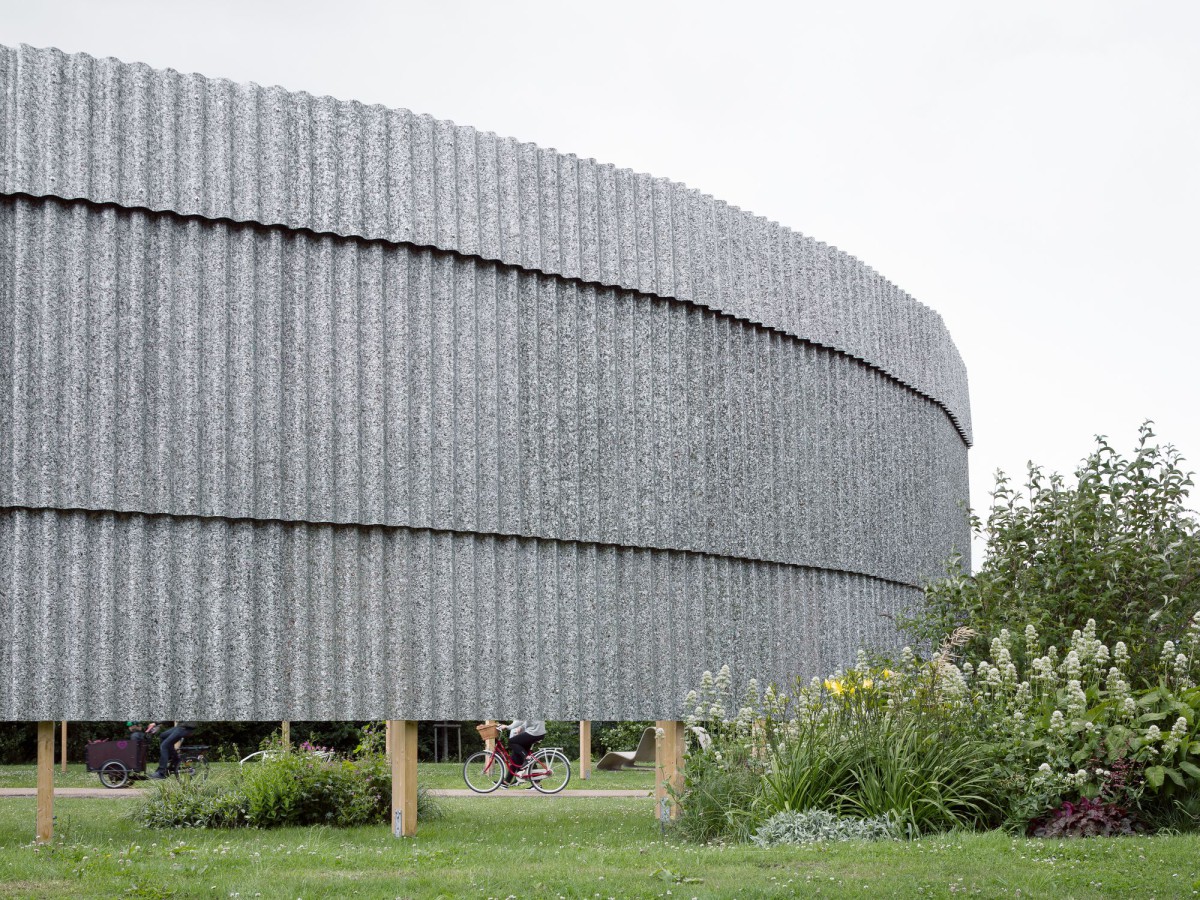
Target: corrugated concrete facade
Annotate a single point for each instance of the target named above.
(314, 410)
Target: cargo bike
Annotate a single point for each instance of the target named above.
(119, 762)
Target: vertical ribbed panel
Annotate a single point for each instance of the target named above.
(315, 410)
(156, 364)
(97, 129)
(243, 620)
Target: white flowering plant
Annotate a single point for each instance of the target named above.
(1062, 720)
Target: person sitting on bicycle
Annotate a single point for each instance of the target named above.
(168, 752)
(522, 735)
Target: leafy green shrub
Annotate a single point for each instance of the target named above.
(813, 826)
(286, 790)
(1119, 546)
(1070, 726)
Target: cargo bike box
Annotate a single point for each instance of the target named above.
(116, 761)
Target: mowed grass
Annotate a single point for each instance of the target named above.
(570, 848)
(431, 775)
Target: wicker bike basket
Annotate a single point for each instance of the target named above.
(488, 731)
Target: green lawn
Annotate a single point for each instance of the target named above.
(432, 775)
(586, 847)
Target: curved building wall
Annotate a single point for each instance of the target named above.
(335, 458)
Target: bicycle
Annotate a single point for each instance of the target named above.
(192, 765)
(547, 769)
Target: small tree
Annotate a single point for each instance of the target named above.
(1119, 546)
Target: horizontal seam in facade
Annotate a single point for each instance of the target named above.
(458, 532)
(305, 230)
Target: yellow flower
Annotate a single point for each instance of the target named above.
(833, 686)
(868, 684)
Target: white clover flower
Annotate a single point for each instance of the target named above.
(1181, 666)
(1057, 722)
(1129, 706)
(1153, 735)
(1044, 767)
(906, 655)
(1101, 655)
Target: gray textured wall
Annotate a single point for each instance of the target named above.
(304, 405)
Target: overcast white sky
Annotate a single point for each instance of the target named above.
(1031, 170)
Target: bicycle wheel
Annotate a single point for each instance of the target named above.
(550, 771)
(483, 771)
(113, 774)
(192, 770)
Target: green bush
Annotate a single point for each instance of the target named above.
(1071, 727)
(1119, 546)
(291, 789)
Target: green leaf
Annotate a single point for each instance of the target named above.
(1155, 776)
(1191, 769)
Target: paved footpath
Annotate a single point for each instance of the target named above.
(437, 792)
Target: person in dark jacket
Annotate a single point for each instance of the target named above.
(168, 752)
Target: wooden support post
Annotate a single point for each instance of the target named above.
(62, 751)
(404, 778)
(285, 729)
(490, 745)
(585, 749)
(387, 739)
(45, 782)
(668, 768)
